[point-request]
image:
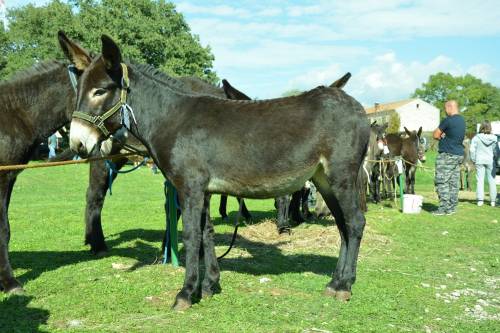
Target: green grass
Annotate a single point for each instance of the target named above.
(416, 272)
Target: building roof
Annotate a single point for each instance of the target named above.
(388, 106)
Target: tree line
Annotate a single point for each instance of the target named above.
(148, 31)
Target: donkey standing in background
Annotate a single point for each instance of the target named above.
(226, 149)
(411, 150)
(466, 168)
(33, 105)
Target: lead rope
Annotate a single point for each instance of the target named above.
(112, 170)
(236, 225)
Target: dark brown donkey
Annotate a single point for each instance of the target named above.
(411, 150)
(207, 145)
(98, 184)
(33, 105)
(284, 205)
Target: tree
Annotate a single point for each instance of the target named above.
(478, 100)
(291, 92)
(394, 123)
(3, 48)
(147, 31)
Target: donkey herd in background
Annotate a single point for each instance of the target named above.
(183, 123)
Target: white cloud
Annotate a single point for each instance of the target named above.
(297, 11)
(316, 77)
(270, 11)
(221, 10)
(385, 79)
(485, 72)
(277, 54)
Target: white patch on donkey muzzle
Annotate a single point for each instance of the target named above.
(380, 144)
(82, 137)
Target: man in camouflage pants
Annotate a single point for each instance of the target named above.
(450, 133)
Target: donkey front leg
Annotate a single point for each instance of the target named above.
(210, 284)
(192, 202)
(223, 207)
(7, 281)
(244, 210)
(96, 193)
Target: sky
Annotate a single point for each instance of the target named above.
(265, 48)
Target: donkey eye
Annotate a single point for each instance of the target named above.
(100, 92)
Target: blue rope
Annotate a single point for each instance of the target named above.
(112, 170)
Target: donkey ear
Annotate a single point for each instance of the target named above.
(74, 52)
(110, 53)
(340, 83)
(407, 131)
(419, 131)
(374, 123)
(233, 93)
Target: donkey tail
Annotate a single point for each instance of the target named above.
(360, 184)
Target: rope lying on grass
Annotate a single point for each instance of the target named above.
(53, 164)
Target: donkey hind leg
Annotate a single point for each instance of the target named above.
(341, 196)
(468, 173)
(294, 208)
(7, 281)
(223, 207)
(244, 210)
(463, 176)
(96, 193)
(410, 179)
(210, 284)
(282, 205)
(192, 208)
(305, 203)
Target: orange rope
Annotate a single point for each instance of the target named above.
(53, 164)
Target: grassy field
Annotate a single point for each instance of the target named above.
(416, 273)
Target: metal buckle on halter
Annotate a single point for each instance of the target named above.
(97, 121)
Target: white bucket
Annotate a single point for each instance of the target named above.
(412, 204)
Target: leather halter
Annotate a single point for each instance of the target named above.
(121, 105)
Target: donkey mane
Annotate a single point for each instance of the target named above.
(177, 87)
(24, 85)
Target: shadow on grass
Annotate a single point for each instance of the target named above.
(257, 217)
(268, 259)
(429, 207)
(265, 258)
(16, 316)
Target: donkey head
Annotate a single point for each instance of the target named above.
(102, 88)
(415, 138)
(379, 132)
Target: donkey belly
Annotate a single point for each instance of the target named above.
(256, 187)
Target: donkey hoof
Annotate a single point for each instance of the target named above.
(181, 304)
(13, 287)
(16, 291)
(100, 254)
(343, 295)
(330, 292)
(285, 230)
